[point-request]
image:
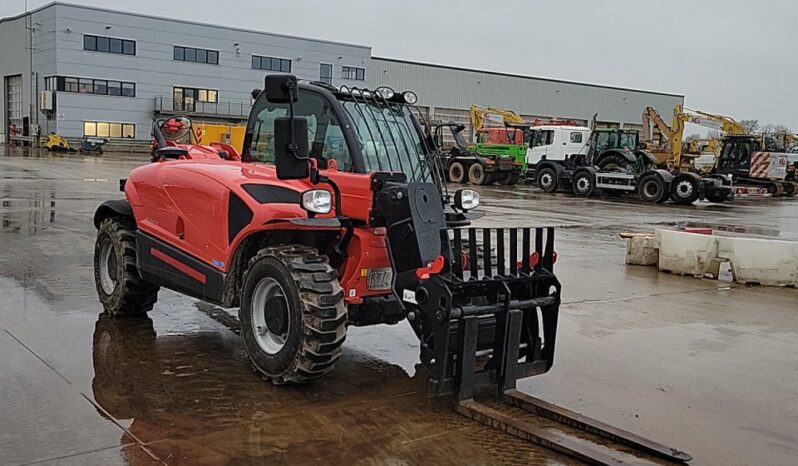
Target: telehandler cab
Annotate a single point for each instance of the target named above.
(335, 213)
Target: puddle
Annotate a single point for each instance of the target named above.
(26, 217)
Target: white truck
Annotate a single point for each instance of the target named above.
(565, 157)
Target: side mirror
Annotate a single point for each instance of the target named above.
(281, 88)
(291, 159)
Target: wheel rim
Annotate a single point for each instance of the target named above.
(582, 185)
(546, 180)
(107, 267)
(270, 323)
(684, 189)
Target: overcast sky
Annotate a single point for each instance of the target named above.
(733, 57)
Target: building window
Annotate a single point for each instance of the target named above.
(325, 73)
(109, 45)
(350, 72)
(90, 86)
(193, 55)
(105, 129)
(271, 64)
(186, 98)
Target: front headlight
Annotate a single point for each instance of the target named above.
(318, 201)
(466, 199)
(410, 97)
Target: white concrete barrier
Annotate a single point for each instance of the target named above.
(641, 250)
(763, 261)
(687, 253)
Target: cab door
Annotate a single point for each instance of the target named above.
(540, 146)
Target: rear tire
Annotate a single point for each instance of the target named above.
(476, 174)
(652, 189)
(716, 198)
(789, 189)
(684, 189)
(612, 161)
(456, 172)
(584, 184)
(293, 316)
(509, 178)
(116, 275)
(547, 180)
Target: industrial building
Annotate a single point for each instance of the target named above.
(87, 71)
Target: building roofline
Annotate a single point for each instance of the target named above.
(511, 75)
(184, 21)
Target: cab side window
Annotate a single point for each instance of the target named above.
(325, 137)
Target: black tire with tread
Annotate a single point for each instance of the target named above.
(658, 196)
(311, 287)
(508, 178)
(589, 179)
(717, 198)
(547, 171)
(619, 161)
(132, 295)
(456, 172)
(477, 175)
(680, 198)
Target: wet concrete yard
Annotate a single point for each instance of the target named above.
(706, 366)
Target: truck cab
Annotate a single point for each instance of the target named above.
(556, 143)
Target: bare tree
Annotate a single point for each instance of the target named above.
(751, 126)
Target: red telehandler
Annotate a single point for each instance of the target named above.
(335, 213)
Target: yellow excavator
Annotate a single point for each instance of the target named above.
(670, 152)
(479, 114)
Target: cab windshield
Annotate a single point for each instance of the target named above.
(388, 136)
(628, 141)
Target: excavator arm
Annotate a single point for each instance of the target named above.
(675, 132)
(480, 113)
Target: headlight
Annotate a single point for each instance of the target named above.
(318, 201)
(466, 199)
(410, 97)
(386, 92)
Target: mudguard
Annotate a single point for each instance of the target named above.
(666, 176)
(114, 208)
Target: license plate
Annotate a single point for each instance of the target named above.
(380, 279)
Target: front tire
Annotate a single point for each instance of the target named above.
(116, 276)
(547, 180)
(293, 317)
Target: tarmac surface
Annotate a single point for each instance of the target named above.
(707, 366)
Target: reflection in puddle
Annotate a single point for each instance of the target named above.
(27, 217)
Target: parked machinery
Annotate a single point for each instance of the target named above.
(508, 139)
(671, 151)
(612, 161)
(462, 163)
(755, 168)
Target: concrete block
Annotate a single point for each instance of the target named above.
(686, 253)
(641, 250)
(763, 261)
